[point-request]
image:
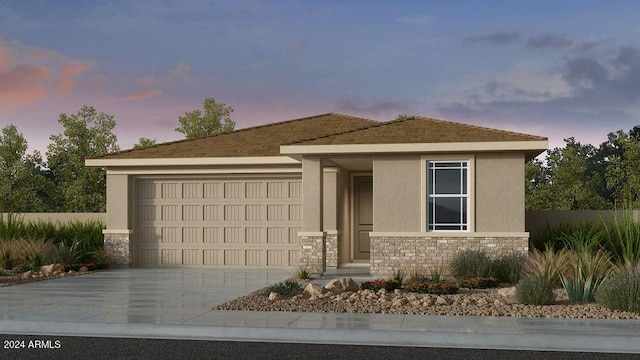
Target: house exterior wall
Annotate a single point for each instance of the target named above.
(396, 193)
(499, 192)
(344, 222)
(496, 217)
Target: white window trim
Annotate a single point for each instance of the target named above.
(424, 204)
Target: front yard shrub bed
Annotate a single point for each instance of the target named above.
(432, 287)
(535, 291)
(387, 284)
(478, 283)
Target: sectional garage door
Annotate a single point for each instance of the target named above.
(218, 222)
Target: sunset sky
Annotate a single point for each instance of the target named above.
(551, 68)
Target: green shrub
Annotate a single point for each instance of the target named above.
(6, 260)
(66, 254)
(622, 290)
(100, 258)
(397, 274)
(623, 236)
(508, 268)
(303, 273)
(478, 283)
(549, 236)
(432, 287)
(586, 272)
(471, 264)
(535, 291)
(376, 285)
(287, 288)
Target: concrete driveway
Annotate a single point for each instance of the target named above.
(139, 296)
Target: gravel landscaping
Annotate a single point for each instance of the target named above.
(487, 302)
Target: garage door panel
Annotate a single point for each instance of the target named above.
(217, 223)
(192, 234)
(213, 235)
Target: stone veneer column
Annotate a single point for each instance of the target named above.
(117, 246)
(332, 239)
(313, 252)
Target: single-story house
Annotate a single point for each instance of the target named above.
(325, 191)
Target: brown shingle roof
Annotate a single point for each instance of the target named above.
(417, 129)
(262, 140)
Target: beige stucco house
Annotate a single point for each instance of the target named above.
(326, 191)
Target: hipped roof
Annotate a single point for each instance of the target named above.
(325, 129)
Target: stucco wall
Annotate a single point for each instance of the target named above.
(499, 192)
(344, 224)
(118, 191)
(396, 193)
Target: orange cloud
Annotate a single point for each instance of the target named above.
(22, 84)
(68, 74)
(145, 95)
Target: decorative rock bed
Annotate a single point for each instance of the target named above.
(487, 302)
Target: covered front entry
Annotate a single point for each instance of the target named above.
(337, 212)
(249, 221)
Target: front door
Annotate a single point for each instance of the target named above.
(363, 215)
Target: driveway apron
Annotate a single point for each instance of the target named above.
(140, 296)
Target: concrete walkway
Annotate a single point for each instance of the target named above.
(176, 304)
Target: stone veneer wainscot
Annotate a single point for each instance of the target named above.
(425, 252)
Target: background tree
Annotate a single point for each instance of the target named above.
(621, 152)
(86, 134)
(215, 120)
(571, 180)
(145, 143)
(23, 186)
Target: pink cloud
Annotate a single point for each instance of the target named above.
(69, 73)
(4, 58)
(145, 95)
(22, 84)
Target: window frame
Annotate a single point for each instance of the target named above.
(427, 215)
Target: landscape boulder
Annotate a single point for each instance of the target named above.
(314, 290)
(508, 291)
(51, 268)
(338, 286)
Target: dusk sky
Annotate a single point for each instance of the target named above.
(550, 68)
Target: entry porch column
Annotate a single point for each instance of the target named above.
(313, 252)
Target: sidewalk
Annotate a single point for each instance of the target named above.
(621, 336)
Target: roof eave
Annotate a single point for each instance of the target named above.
(197, 161)
(526, 146)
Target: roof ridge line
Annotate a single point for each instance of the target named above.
(378, 124)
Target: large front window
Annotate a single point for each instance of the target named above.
(448, 195)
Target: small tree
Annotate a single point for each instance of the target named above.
(215, 120)
(86, 134)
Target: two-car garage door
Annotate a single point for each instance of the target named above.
(218, 222)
